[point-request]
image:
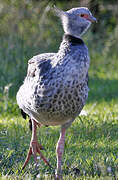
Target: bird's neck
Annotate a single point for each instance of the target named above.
(72, 39)
(68, 43)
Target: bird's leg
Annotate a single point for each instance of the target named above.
(34, 141)
(35, 147)
(59, 151)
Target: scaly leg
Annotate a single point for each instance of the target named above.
(59, 151)
(35, 147)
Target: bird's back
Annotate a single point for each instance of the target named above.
(56, 87)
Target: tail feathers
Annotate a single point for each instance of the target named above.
(24, 115)
(30, 124)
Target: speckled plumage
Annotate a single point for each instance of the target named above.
(56, 87)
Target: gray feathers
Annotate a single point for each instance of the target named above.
(56, 86)
(55, 89)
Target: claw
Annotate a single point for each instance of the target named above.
(27, 158)
(35, 147)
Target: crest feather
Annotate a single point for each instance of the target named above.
(58, 11)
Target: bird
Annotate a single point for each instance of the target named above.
(55, 88)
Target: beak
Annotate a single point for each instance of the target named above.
(92, 19)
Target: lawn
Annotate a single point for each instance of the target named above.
(91, 147)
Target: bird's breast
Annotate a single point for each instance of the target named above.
(59, 92)
(54, 106)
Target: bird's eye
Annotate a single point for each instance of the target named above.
(82, 15)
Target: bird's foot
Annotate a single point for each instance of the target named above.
(35, 148)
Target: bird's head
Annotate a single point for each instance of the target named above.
(76, 20)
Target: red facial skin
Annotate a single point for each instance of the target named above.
(86, 16)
